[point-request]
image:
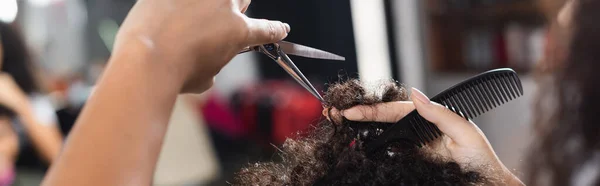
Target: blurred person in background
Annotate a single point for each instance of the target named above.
(27, 118)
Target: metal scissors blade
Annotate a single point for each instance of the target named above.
(277, 52)
(286, 63)
(300, 50)
(304, 51)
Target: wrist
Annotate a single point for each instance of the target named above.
(185, 66)
(23, 108)
(511, 179)
(137, 55)
(506, 177)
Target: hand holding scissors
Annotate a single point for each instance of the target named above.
(194, 39)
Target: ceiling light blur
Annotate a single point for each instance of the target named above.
(8, 10)
(42, 3)
(370, 35)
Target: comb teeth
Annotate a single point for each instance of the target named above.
(471, 98)
(468, 99)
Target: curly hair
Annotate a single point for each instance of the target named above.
(333, 153)
(568, 137)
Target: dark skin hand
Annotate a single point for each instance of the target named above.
(164, 48)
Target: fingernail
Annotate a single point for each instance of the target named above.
(419, 95)
(287, 27)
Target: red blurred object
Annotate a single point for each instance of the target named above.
(500, 50)
(219, 116)
(268, 112)
(295, 111)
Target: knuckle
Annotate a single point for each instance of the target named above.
(247, 2)
(404, 110)
(366, 113)
(229, 3)
(449, 112)
(400, 114)
(243, 30)
(443, 108)
(272, 34)
(281, 28)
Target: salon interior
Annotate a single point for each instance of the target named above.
(255, 105)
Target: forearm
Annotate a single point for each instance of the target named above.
(45, 137)
(117, 139)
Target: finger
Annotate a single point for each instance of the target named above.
(242, 5)
(384, 112)
(332, 113)
(457, 128)
(264, 31)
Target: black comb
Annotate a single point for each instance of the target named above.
(468, 99)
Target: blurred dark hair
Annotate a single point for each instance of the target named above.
(333, 153)
(568, 106)
(16, 61)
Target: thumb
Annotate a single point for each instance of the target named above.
(264, 31)
(457, 128)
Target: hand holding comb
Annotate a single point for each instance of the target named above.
(468, 99)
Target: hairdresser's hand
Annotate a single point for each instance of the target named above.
(194, 38)
(11, 96)
(463, 141)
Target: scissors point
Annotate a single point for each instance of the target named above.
(309, 52)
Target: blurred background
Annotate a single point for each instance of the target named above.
(427, 44)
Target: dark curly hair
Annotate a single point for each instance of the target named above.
(333, 153)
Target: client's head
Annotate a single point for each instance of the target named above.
(333, 152)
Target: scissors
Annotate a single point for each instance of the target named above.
(278, 52)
